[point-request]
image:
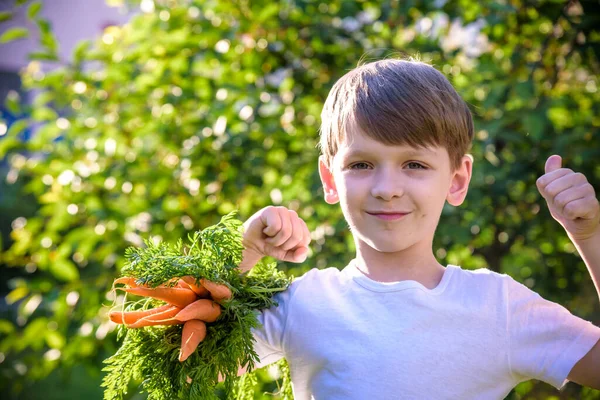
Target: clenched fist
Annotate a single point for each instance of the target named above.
(571, 199)
(277, 232)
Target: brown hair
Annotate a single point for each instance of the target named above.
(397, 102)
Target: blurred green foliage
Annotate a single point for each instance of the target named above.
(199, 107)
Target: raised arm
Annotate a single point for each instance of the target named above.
(572, 202)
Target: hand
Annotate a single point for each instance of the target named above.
(571, 199)
(276, 232)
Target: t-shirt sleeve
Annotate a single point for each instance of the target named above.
(269, 335)
(545, 339)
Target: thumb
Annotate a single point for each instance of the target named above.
(553, 163)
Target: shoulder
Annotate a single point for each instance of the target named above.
(485, 283)
(503, 286)
(479, 276)
(326, 273)
(312, 280)
(317, 277)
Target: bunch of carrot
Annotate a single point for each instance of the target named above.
(190, 284)
(189, 301)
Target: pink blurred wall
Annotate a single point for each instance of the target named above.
(72, 21)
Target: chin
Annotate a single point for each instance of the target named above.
(389, 249)
(385, 246)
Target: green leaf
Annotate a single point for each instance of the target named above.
(81, 50)
(48, 40)
(34, 333)
(534, 124)
(8, 144)
(17, 294)
(55, 340)
(42, 56)
(64, 270)
(13, 102)
(44, 114)
(6, 327)
(17, 127)
(20, 2)
(268, 12)
(34, 9)
(43, 99)
(5, 16)
(14, 34)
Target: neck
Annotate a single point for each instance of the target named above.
(413, 263)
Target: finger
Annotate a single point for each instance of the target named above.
(306, 235)
(300, 254)
(286, 228)
(297, 233)
(550, 177)
(296, 255)
(283, 255)
(572, 194)
(563, 183)
(585, 208)
(272, 221)
(553, 163)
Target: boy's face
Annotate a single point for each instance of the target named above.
(368, 177)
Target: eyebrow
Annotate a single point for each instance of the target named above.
(406, 153)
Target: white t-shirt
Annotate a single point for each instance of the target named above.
(475, 336)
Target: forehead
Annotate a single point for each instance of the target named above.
(357, 143)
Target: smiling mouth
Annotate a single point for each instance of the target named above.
(387, 216)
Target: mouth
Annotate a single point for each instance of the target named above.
(388, 216)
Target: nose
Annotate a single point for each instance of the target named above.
(387, 185)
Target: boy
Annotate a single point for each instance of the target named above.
(395, 323)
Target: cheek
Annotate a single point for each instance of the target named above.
(349, 200)
(352, 195)
(432, 204)
(343, 186)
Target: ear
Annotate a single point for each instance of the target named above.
(329, 189)
(460, 181)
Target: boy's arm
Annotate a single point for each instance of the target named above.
(572, 202)
(589, 250)
(586, 371)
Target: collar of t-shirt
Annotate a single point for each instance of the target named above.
(352, 271)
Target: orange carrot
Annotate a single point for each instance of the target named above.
(181, 284)
(197, 288)
(170, 283)
(194, 331)
(126, 280)
(163, 322)
(162, 318)
(129, 317)
(179, 297)
(217, 290)
(203, 309)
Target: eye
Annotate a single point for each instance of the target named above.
(415, 165)
(361, 164)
